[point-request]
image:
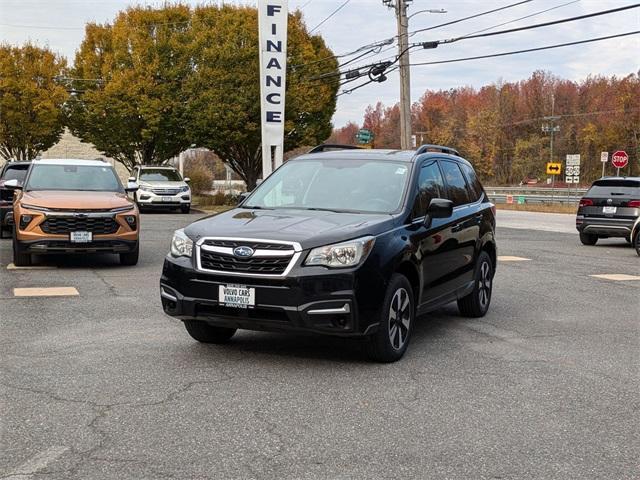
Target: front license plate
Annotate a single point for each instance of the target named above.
(609, 209)
(167, 199)
(80, 237)
(237, 296)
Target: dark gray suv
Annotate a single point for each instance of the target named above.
(609, 209)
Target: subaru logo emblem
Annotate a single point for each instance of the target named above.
(243, 251)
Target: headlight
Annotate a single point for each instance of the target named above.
(144, 188)
(185, 188)
(181, 245)
(339, 255)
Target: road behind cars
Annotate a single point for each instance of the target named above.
(103, 385)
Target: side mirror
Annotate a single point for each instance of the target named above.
(131, 179)
(186, 179)
(242, 197)
(438, 208)
(131, 187)
(13, 184)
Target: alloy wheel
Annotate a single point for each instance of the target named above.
(399, 318)
(484, 285)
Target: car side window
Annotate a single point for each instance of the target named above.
(430, 186)
(457, 185)
(475, 188)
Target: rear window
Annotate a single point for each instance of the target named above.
(609, 188)
(456, 183)
(475, 188)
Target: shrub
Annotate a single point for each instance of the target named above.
(201, 178)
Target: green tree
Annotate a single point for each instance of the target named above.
(129, 77)
(224, 88)
(31, 115)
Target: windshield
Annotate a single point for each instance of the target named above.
(159, 175)
(74, 177)
(16, 173)
(360, 186)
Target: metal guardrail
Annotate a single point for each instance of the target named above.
(536, 195)
(535, 190)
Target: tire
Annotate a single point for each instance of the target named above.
(185, 208)
(636, 241)
(588, 239)
(397, 318)
(477, 303)
(130, 258)
(20, 259)
(205, 333)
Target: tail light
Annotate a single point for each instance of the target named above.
(633, 204)
(585, 202)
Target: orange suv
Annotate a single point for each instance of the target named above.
(73, 206)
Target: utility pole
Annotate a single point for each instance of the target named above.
(400, 7)
(551, 128)
(405, 79)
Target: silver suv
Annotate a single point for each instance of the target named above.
(161, 187)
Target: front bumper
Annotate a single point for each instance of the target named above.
(605, 227)
(150, 199)
(308, 300)
(43, 247)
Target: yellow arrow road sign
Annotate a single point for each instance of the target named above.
(554, 168)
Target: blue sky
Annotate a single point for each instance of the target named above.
(59, 25)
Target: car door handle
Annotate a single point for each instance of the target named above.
(457, 227)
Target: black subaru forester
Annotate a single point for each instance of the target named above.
(346, 242)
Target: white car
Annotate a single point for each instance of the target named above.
(161, 187)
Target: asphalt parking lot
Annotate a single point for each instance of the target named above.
(101, 385)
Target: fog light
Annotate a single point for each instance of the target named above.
(131, 220)
(25, 220)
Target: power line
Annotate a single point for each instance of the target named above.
(446, 24)
(515, 52)
(539, 25)
(329, 16)
(522, 18)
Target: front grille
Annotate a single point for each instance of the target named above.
(229, 263)
(166, 191)
(96, 225)
(243, 243)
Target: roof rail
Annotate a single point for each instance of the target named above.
(327, 147)
(436, 148)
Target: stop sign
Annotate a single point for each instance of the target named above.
(620, 159)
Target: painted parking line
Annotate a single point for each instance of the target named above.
(11, 266)
(45, 292)
(509, 258)
(38, 462)
(616, 277)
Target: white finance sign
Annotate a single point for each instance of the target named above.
(272, 26)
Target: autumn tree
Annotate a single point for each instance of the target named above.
(129, 79)
(344, 135)
(223, 112)
(31, 116)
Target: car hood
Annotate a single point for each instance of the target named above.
(162, 184)
(308, 228)
(75, 200)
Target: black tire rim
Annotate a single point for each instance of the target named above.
(399, 318)
(484, 285)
